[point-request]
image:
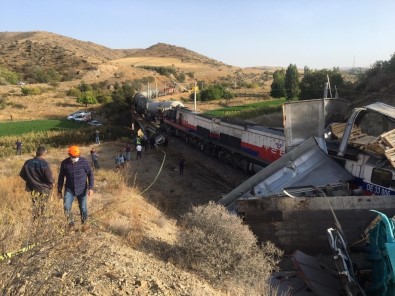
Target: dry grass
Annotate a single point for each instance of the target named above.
(52, 103)
(165, 62)
(115, 205)
(218, 245)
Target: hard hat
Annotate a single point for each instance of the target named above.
(74, 151)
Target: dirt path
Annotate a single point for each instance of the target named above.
(204, 179)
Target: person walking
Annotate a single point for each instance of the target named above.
(18, 147)
(181, 164)
(79, 183)
(94, 157)
(38, 176)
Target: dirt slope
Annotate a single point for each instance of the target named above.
(128, 249)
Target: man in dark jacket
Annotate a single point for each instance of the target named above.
(77, 172)
(38, 176)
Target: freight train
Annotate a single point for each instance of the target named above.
(251, 147)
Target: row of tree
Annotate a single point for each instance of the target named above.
(378, 79)
(287, 83)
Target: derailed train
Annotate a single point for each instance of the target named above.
(252, 147)
(243, 145)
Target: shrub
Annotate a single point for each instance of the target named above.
(7, 76)
(218, 245)
(30, 91)
(3, 103)
(73, 92)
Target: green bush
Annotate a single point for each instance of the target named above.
(7, 76)
(166, 71)
(30, 91)
(3, 103)
(219, 246)
(73, 92)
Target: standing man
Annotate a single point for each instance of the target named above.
(79, 183)
(97, 137)
(181, 165)
(128, 151)
(94, 157)
(38, 176)
(18, 147)
(138, 149)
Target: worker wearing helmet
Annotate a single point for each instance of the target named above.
(79, 183)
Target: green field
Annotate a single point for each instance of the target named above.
(11, 128)
(249, 110)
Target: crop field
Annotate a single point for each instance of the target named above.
(13, 128)
(249, 110)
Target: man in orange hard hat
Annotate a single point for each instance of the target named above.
(79, 183)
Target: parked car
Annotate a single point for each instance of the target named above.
(77, 114)
(94, 123)
(82, 117)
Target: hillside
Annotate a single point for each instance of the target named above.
(37, 53)
(30, 51)
(165, 51)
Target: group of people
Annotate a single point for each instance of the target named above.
(75, 180)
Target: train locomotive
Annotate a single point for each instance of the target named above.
(243, 145)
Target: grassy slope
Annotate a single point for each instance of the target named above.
(10, 128)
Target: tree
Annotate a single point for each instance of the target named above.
(118, 109)
(313, 83)
(278, 85)
(181, 77)
(214, 92)
(292, 82)
(87, 97)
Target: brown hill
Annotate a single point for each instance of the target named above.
(185, 55)
(33, 53)
(25, 52)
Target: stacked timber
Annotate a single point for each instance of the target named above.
(389, 139)
(357, 137)
(382, 145)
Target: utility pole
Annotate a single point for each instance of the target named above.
(194, 95)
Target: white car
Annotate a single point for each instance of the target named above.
(78, 114)
(94, 123)
(82, 118)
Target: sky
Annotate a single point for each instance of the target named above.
(244, 33)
